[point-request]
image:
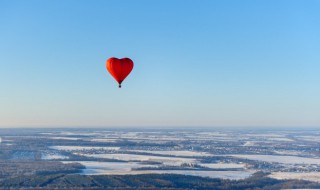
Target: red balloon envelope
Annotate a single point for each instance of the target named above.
(119, 68)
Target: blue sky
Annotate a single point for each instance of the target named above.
(197, 63)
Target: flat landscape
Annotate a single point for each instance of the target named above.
(225, 154)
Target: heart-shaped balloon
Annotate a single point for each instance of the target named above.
(119, 68)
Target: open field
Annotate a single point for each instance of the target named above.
(225, 154)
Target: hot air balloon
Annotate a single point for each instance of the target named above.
(119, 68)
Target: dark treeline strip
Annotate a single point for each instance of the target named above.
(150, 182)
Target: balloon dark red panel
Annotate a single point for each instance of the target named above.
(119, 68)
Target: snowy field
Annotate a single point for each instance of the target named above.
(181, 153)
(249, 143)
(53, 157)
(310, 138)
(288, 152)
(224, 165)
(228, 154)
(280, 139)
(310, 176)
(279, 159)
(115, 168)
(103, 140)
(172, 161)
(77, 148)
(64, 138)
(167, 161)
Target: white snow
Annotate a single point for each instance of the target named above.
(173, 161)
(266, 135)
(249, 143)
(211, 134)
(125, 168)
(66, 133)
(310, 176)
(93, 167)
(224, 165)
(103, 140)
(279, 159)
(310, 138)
(45, 133)
(176, 153)
(53, 156)
(235, 175)
(280, 139)
(287, 152)
(73, 148)
(64, 138)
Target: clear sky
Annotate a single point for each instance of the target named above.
(197, 63)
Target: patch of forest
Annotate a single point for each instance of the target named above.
(149, 182)
(10, 169)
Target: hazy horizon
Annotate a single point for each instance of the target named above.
(170, 127)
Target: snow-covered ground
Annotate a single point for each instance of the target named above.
(64, 138)
(103, 140)
(279, 159)
(53, 156)
(310, 176)
(265, 135)
(172, 161)
(45, 133)
(126, 168)
(93, 167)
(287, 152)
(210, 134)
(224, 165)
(314, 138)
(67, 133)
(249, 143)
(73, 148)
(235, 175)
(176, 153)
(280, 139)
